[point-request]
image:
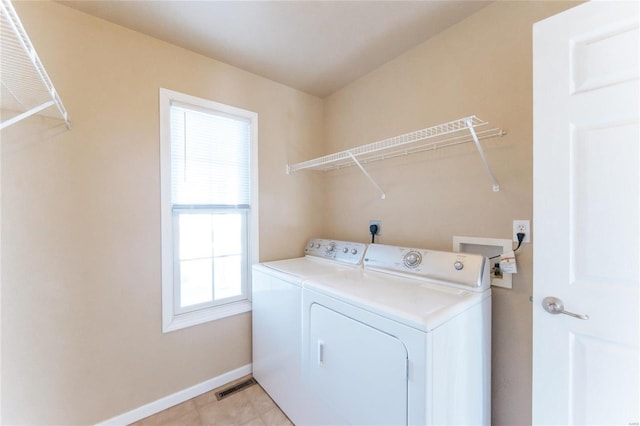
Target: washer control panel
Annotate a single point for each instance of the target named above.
(466, 270)
(341, 251)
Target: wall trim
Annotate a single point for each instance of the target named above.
(178, 397)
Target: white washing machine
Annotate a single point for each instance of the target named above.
(277, 320)
(405, 340)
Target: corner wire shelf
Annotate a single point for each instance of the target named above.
(25, 84)
(452, 133)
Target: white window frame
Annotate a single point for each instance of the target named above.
(171, 319)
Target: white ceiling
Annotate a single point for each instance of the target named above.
(314, 46)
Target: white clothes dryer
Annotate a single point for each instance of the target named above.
(405, 340)
(277, 320)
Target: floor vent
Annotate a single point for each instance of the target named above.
(235, 388)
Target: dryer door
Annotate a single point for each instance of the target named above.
(359, 372)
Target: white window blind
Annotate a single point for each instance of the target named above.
(209, 158)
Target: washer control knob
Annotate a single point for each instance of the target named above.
(317, 245)
(354, 251)
(458, 265)
(311, 244)
(412, 259)
(345, 250)
(331, 247)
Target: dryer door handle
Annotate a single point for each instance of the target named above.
(320, 352)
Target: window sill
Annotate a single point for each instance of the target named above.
(177, 322)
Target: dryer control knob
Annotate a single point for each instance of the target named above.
(412, 259)
(311, 244)
(345, 250)
(317, 245)
(458, 265)
(354, 251)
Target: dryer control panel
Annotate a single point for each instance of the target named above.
(341, 251)
(465, 270)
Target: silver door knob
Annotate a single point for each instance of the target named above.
(553, 305)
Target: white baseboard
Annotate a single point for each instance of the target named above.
(176, 398)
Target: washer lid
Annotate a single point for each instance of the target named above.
(301, 268)
(321, 257)
(421, 304)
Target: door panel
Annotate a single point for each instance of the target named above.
(586, 215)
(359, 372)
(591, 384)
(604, 160)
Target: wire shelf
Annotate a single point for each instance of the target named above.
(442, 135)
(26, 88)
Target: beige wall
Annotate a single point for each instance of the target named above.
(481, 66)
(81, 314)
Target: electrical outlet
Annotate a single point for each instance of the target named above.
(522, 226)
(376, 222)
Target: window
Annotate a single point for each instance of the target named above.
(208, 204)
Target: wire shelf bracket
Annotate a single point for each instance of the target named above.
(26, 87)
(375, 184)
(496, 185)
(442, 135)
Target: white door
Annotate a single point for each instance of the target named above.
(586, 215)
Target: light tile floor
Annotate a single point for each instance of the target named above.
(250, 406)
